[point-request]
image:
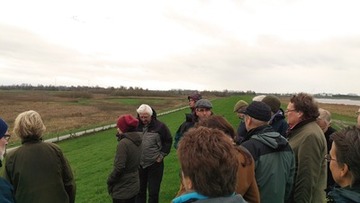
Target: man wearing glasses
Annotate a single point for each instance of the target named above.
(308, 142)
(6, 189)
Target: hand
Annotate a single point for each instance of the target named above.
(159, 159)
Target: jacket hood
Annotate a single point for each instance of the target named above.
(346, 194)
(279, 115)
(269, 137)
(134, 137)
(196, 197)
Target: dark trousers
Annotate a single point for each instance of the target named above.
(131, 200)
(150, 178)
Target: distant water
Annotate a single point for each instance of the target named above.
(338, 101)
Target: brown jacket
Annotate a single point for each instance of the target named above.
(246, 184)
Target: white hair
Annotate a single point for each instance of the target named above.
(144, 108)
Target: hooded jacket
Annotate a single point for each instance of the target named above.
(156, 141)
(123, 182)
(347, 194)
(196, 197)
(279, 123)
(274, 163)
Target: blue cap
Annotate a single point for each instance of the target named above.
(3, 128)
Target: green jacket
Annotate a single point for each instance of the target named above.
(40, 173)
(309, 145)
(124, 182)
(274, 163)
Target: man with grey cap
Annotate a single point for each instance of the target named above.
(274, 158)
(239, 109)
(202, 110)
(6, 189)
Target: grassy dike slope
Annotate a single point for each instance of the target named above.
(91, 157)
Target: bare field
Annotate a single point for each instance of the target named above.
(66, 112)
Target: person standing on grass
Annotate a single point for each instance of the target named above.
(358, 117)
(277, 120)
(239, 109)
(344, 161)
(123, 182)
(274, 158)
(209, 167)
(309, 144)
(190, 118)
(156, 145)
(6, 189)
(202, 111)
(324, 121)
(38, 171)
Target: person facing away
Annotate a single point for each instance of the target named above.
(209, 166)
(277, 120)
(344, 160)
(48, 176)
(239, 109)
(123, 182)
(324, 121)
(308, 142)
(6, 189)
(156, 145)
(202, 110)
(274, 158)
(246, 184)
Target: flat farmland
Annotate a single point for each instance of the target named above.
(72, 111)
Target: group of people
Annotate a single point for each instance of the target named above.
(274, 156)
(280, 156)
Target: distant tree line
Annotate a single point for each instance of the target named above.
(86, 91)
(121, 91)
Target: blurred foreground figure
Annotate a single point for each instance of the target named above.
(209, 166)
(6, 190)
(38, 170)
(344, 159)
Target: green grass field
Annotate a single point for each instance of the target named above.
(91, 157)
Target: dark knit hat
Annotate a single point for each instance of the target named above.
(126, 122)
(203, 103)
(273, 102)
(259, 111)
(195, 96)
(3, 128)
(240, 106)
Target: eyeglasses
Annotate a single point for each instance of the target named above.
(289, 110)
(328, 158)
(7, 137)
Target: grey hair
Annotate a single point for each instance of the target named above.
(144, 108)
(325, 115)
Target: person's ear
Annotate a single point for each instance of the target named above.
(187, 183)
(344, 170)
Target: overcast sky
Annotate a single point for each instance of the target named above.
(268, 46)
